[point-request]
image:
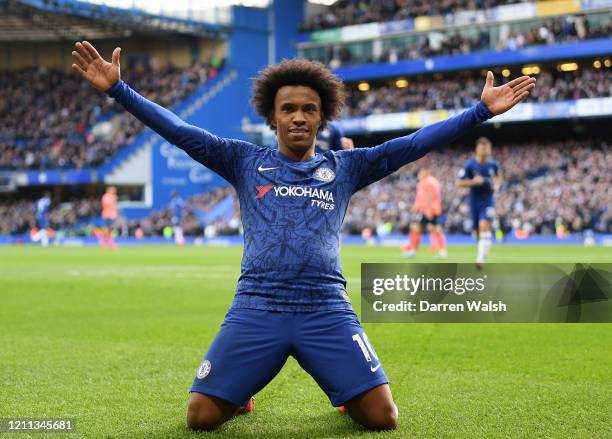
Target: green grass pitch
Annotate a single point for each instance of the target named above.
(114, 338)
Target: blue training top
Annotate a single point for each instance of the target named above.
(481, 194)
(292, 211)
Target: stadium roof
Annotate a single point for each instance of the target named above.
(210, 11)
(32, 20)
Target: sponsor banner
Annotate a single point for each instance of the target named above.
(498, 293)
(354, 125)
(596, 4)
(517, 11)
(594, 107)
(522, 112)
(385, 122)
(83, 176)
(428, 22)
(416, 119)
(360, 32)
(392, 27)
(559, 110)
(327, 35)
(557, 7)
(468, 17)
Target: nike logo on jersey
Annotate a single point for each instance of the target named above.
(374, 369)
(262, 169)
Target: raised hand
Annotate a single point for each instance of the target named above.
(500, 99)
(91, 66)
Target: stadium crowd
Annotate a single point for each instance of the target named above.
(349, 12)
(546, 185)
(18, 217)
(59, 121)
(464, 91)
(453, 42)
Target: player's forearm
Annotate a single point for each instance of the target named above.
(162, 121)
(407, 149)
(465, 183)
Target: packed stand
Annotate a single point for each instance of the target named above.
(454, 42)
(555, 30)
(350, 12)
(60, 121)
(463, 91)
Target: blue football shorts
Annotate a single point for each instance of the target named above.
(253, 345)
(482, 211)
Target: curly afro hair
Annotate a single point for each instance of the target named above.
(303, 72)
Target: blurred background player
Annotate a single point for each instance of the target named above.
(177, 206)
(332, 138)
(42, 220)
(428, 210)
(482, 176)
(109, 216)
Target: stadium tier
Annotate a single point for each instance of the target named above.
(462, 90)
(351, 12)
(458, 41)
(60, 122)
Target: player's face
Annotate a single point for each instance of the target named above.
(483, 150)
(297, 117)
(423, 174)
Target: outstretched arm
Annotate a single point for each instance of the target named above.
(214, 152)
(378, 162)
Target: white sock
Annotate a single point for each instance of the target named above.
(484, 244)
(44, 237)
(178, 235)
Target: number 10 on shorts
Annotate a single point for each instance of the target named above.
(367, 349)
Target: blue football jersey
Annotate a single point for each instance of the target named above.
(177, 205)
(42, 208)
(329, 139)
(488, 170)
(292, 212)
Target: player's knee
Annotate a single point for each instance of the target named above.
(384, 417)
(387, 419)
(200, 417)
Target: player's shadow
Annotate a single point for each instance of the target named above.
(333, 424)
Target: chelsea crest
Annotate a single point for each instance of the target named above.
(324, 174)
